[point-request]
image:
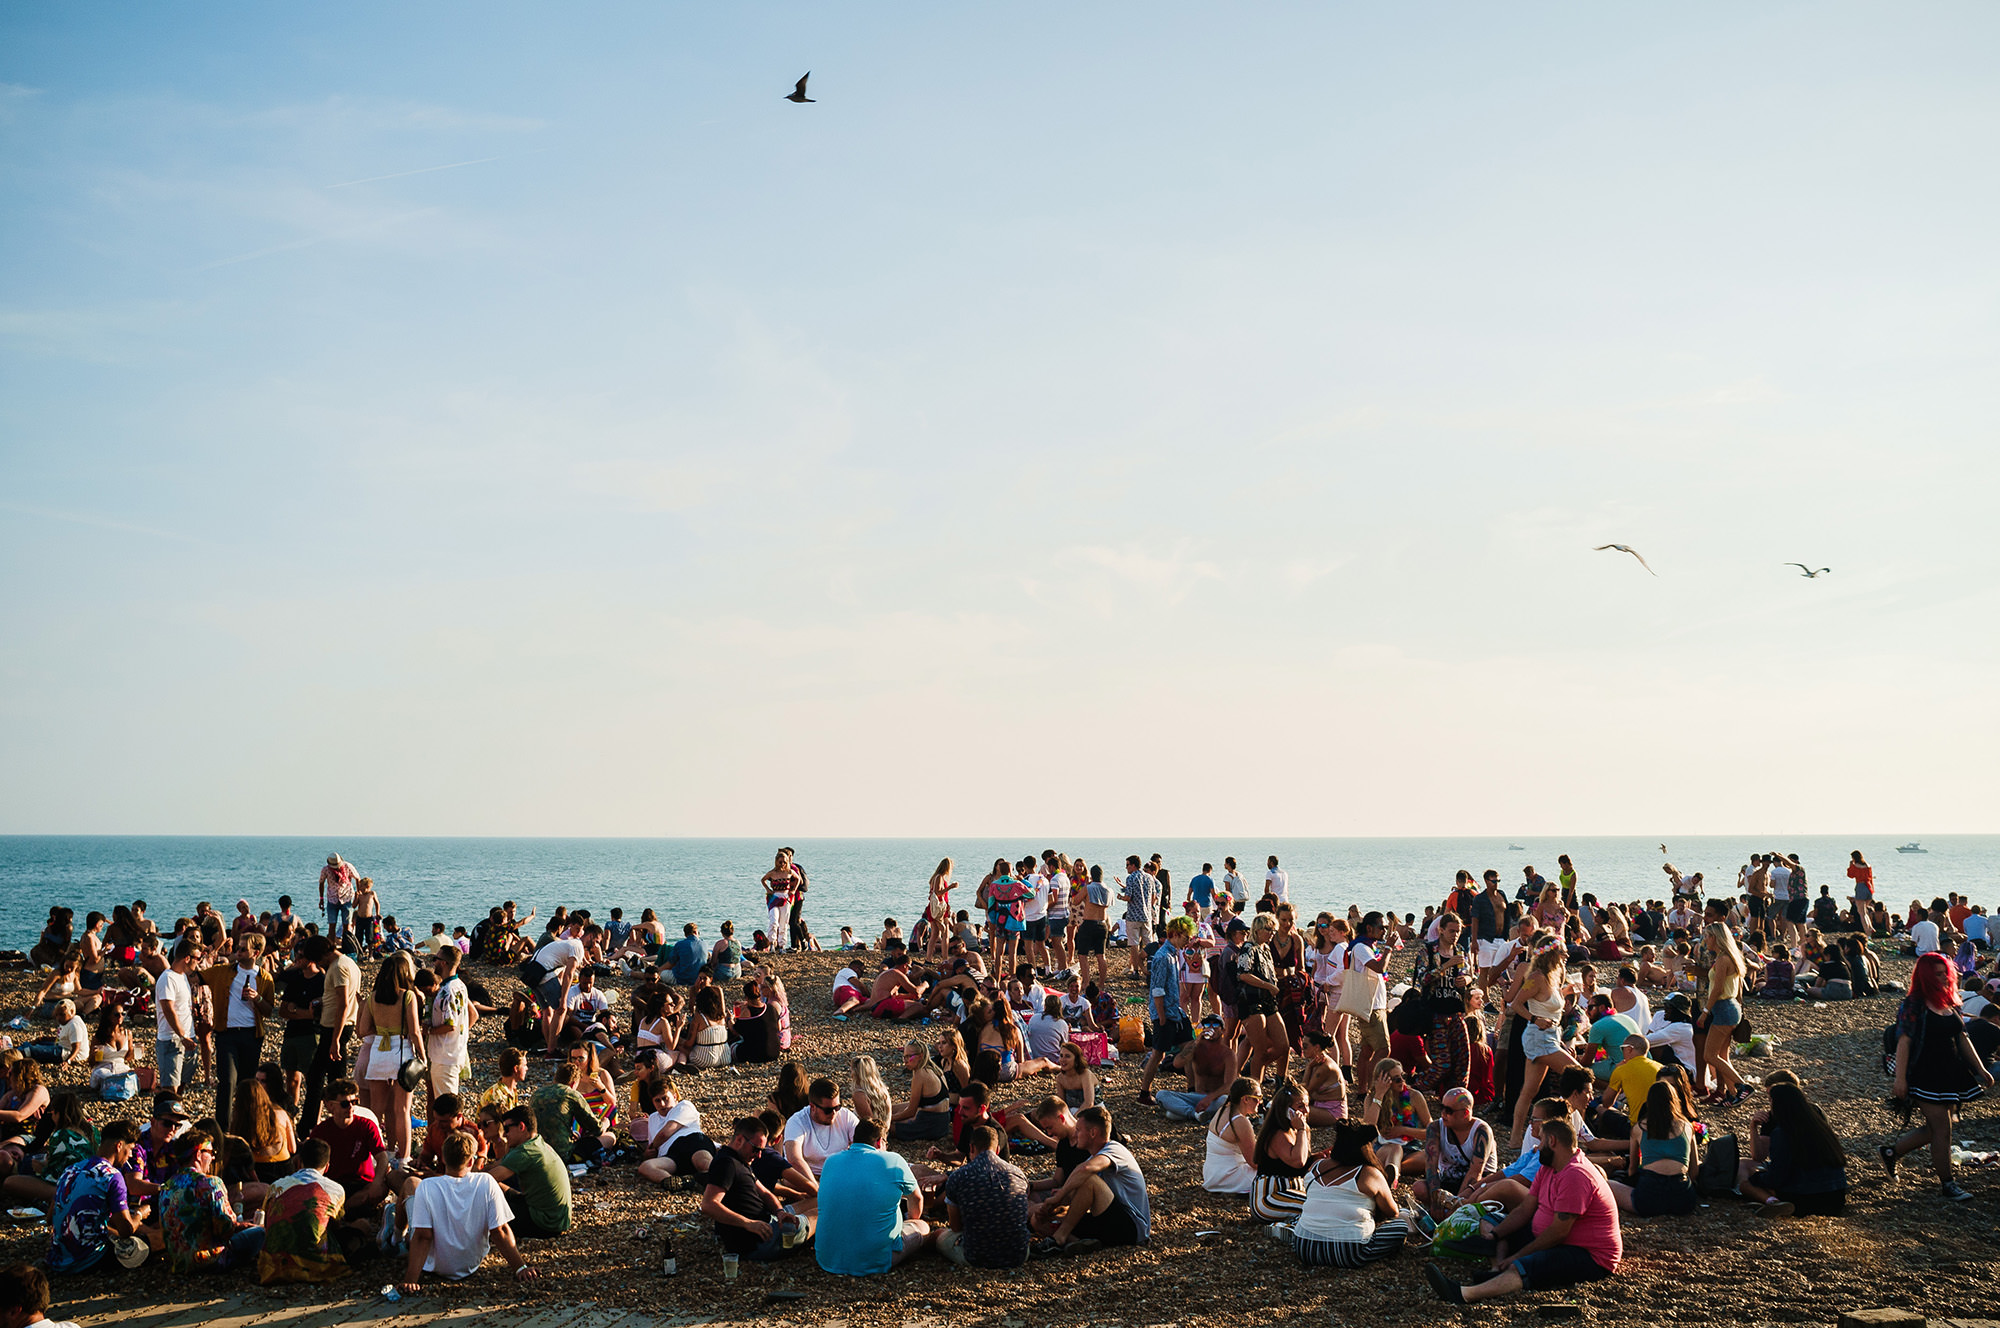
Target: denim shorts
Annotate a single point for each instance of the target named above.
(1725, 1013)
(1553, 1269)
(1537, 1042)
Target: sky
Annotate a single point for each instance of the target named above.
(1111, 419)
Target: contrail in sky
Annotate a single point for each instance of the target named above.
(424, 170)
(313, 240)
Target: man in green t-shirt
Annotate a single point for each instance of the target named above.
(568, 1124)
(535, 1180)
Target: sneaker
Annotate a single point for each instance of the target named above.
(1280, 1232)
(1146, 1098)
(1779, 1208)
(1955, 1192)
(1888, 1156)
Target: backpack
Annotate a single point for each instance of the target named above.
(1717, 1173)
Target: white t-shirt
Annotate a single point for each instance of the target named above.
(1233, 883)
(594, 1001)
(172, 986)
(1925, 937)
(1059, 895)
(1781, 883)
(1036, 906)
(552, 955)
(1664, 1032)
(1359, 955)
(451, 1021)
(846, 978)
(242, 1013)
(682, 1116)
(73, 1034)
(1278, 884)
(1327, 971)
(821, 1141)
(461, 1213)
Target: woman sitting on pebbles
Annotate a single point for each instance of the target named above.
(1804, 1167)
(927, 1113)
(1349, 1218)
(1661, 1154)
(1280, 1157)
(1232, 1141)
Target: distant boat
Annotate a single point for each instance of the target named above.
(1912, 847)
(1517, 848)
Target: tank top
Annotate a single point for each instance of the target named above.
(1336, 1211)
(1653, 1150)
(711, 1046)
(1548, 1007)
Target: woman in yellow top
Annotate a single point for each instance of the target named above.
(394, 1031)
(1540, 1002)
(1725, 1012)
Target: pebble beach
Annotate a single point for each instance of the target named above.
(1898, 1245)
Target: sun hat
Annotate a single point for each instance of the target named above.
(130, 1251)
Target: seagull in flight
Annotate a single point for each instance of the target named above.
(1807, 570)
(799, 93)
(1663, 848)
(1626, 548)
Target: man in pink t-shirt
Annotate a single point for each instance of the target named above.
(1572, 1218)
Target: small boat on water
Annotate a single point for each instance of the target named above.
(1912, 847)
(1517, 848)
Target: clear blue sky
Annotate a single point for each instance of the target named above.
(1095, 420)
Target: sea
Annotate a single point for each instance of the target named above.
(860, 882)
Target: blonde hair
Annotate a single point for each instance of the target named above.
(1260, 924)
(865, 1078)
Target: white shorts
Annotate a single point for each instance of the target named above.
(1492, 954)
(386, 1054)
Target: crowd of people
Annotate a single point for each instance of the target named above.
(1504, 1080)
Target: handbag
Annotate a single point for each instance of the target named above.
(410, 1077)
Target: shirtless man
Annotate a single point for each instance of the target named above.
(896, 995)
(1210, 1066)
(1091, 930)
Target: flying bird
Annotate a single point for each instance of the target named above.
(1663, 848)
(798, 93)
(1807, 570)
(1626, 548)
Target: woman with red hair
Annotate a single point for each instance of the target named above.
(1937, 1070)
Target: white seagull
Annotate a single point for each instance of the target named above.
(1626, 548)
(799, 93)
(1807, 570)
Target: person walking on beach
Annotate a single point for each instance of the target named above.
(1141, 896)
(800, 933)
(336, 894)
(1863, 898)
(1937, 1069)
(1277, 885)
(777, 885)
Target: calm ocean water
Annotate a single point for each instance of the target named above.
(860, 881)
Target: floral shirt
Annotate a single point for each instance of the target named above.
(86, 1197)
(198, 1221)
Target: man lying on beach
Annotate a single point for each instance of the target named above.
(896, 995)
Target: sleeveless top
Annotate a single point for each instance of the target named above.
(711, 1047)
(1224, 1170)
(1663, 1150)
(1548, 1007)
(1336, 1211)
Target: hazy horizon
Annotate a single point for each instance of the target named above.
(499, 418)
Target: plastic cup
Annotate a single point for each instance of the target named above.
(791, 1230)
(730, 1263)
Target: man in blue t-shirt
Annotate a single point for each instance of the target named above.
(688, 955)
(874, 1193)
(1202, 890)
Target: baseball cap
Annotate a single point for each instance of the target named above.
(1235, 925)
